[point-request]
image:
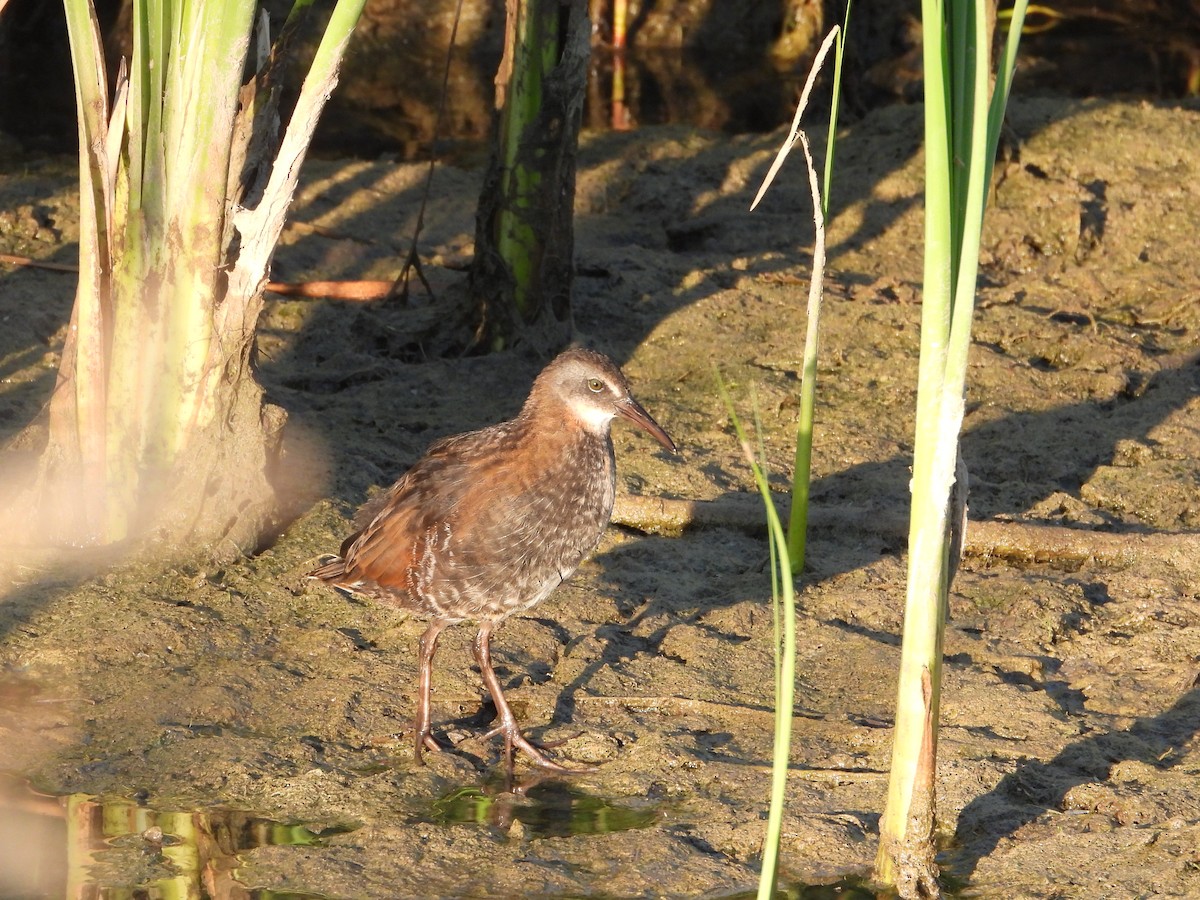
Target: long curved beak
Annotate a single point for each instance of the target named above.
(632, 410)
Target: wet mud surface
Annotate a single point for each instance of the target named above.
(1069, 764)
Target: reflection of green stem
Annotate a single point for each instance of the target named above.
(197, 845)
(183, 850)
(535, 54)
(79, 844)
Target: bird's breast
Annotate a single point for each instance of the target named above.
(521, 528)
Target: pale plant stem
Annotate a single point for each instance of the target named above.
(160, 318)
(960, 131)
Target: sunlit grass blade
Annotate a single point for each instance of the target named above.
(835, 106)
(783, 600)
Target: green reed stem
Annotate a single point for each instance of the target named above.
(961, 129)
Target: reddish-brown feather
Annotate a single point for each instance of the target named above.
(489, 523)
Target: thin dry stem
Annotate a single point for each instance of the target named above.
(795, 132)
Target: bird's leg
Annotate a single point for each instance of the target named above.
(513, 739)
(428, 646)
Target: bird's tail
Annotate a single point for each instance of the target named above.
(332, 569)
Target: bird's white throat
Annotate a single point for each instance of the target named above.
(594, 418)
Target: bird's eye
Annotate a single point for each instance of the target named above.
(595, 385)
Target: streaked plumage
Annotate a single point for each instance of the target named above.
(488, 523)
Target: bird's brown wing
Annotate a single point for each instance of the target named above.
(425, 508)
(383, 551)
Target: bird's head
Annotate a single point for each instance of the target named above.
(590, 389)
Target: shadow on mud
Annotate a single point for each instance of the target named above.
(1038, 788)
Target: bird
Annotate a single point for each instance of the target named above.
(488, 523)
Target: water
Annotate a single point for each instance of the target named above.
(82, 846)
(542, 807)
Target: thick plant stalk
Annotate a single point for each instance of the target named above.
(536, 51)
(524, 240)
(960, 134)
(621, 120)
(906, 853)
(157, 421)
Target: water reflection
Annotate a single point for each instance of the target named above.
(81, 847)
(544, 806)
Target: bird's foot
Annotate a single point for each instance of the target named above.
(514, 740)
(426, 741)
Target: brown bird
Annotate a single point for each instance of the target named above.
(487, 524)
